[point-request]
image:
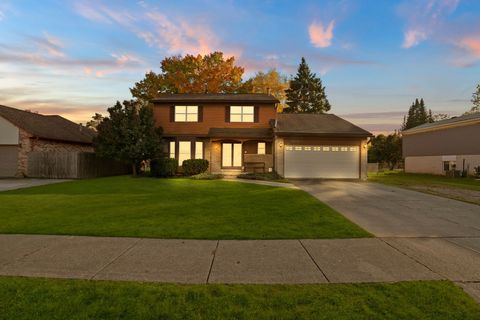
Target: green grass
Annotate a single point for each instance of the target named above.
(171, 208)
(399, 178)
(22, 298)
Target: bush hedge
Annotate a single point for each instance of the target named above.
(163, 167)
(194, 166)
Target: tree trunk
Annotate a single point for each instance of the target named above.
(134, 169)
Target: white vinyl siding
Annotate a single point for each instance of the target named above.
(242, 114)
(184, 151)
(186, 113)
(199, 150)
(261, 147)
(172, 149)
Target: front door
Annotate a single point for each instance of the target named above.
(231, 155)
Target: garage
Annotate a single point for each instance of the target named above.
(8, 160)
(322, 161)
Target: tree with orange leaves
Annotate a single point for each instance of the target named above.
(211, 73)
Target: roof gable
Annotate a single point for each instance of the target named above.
(47, 127)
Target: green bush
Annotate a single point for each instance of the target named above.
(207, 176)
(194, 166)
(163, 167)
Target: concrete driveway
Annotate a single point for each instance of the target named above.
(13, 184)
(394, 212)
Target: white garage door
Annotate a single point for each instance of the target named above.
(8, 161)
(322, 161)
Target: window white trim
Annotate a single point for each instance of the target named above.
(242, 114)
(184, 151)
(172, 149)
(186, 113)
(198, 149)
(261, 148)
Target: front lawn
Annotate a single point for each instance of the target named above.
(400, 178)
(171, 208)
(22, 298)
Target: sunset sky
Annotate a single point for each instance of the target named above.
(75, 58)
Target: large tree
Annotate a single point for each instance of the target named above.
(475, 101)
(306, 93)
(128, 134)
(386, 149)
(210, 73)
(270, 82)
(417, 115)
(97, 118)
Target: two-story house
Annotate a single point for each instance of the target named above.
(244, 132)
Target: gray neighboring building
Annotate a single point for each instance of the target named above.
(435, 147)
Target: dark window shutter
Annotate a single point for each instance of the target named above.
(255, 114)
(227, 114)
(172, 113)
(200, 113)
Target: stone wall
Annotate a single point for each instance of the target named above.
(28, 144)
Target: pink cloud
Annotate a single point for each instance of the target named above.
(413, 37)
(472, 45)
(175, 35)
(320, 36)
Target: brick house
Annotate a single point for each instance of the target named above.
(23, 132)
(244, 132)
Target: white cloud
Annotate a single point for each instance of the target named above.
(320, 36)
(424, 18)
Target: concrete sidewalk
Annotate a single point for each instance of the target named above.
(243, 261)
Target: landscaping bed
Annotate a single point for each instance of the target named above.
(171, 208)
(23, 298)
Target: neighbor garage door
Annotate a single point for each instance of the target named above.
(322, 161)
(8, 161)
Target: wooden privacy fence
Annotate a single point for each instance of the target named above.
(72, 165)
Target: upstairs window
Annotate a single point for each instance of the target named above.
(242, 114)
(186, 113)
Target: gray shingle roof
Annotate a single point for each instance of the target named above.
(317, 125)
(216, 97)
(440, 123)
(254, 133)
(47, 127)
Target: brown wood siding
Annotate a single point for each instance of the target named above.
(451, 141)
(213, 116)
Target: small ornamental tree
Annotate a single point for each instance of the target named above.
(128, 134)
(306, 93)
(386, 149)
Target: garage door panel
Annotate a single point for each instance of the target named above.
(300, 163)
(8, 161)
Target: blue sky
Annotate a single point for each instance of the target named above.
(75, 58)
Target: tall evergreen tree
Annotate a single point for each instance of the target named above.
(417, 115)
(306, 93)
(475, 101)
